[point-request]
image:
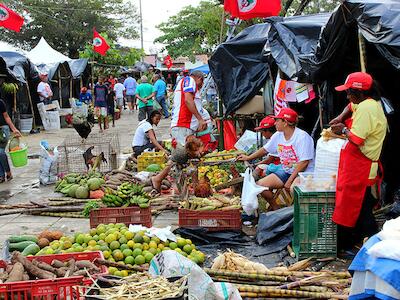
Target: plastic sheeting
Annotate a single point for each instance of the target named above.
(238, 67)
(19, 66)
(78, 67)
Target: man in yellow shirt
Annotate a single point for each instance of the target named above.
(359, 158)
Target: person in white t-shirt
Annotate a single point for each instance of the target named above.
(44, 89)
(119, 90)
(145, 137)
(295, 149)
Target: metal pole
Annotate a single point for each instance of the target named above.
(141, 26)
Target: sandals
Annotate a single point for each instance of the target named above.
(2, 179)
(9, 177)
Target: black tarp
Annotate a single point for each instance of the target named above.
(19, 66)
(238, 68)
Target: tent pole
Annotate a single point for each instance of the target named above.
(60, 88)
(31, 103)
(363, 53)
(70, 88)
(81, 84)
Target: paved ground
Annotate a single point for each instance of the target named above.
(25, 185)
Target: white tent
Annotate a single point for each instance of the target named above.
(43, 54)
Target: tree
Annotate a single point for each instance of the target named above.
(194, 30)
(311, 6)
(67, 24)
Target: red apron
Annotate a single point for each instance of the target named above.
(352, 182)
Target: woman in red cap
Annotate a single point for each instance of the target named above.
(358, 165)
(295, 149)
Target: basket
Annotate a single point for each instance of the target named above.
(70, 288)
(148, 158)
(315, 234)
(212, 220)
(126, 215)
(19, 158)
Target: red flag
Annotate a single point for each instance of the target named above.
(99, 43)
(168, 61)
(10, 19)
(248, 9)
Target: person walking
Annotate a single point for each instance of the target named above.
(111, 104)
(5, 125)
(130, 85)
(187, 108)
(145, 93)
(44, 89)
(161, 91)
(119, 90)
(100, 103)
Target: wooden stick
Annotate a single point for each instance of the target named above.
(107, 263)
(32, 211)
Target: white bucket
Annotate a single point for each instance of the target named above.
(26, 125)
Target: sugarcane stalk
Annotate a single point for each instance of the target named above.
(70, 202)
(33, 211)
(256, 276)
(282, 292)
(342, 275)
(69, 199)
(64, 215)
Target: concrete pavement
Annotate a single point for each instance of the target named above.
(25, 185)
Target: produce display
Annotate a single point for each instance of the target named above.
(80, 185)
(140, 286)
(222, 173)
(215, 202)
(117, 177)
(231, 261)
(31, 244)
(221, 155)
(127, 194)
(120, 245)
(23, 269)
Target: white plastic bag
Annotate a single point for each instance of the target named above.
(48, 166)
(249, 193)
(327, 155)
(247, 142)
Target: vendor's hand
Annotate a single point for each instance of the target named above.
(336, 120)
(287, 186)
(337, 128)
(17, 133)
(243, 157)
(144, 101)
(202, 125)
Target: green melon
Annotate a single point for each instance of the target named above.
(72, 190)
(94, 184)
(153, 168)
(82, 192)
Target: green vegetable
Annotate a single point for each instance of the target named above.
(31, 250)
(22, 238)
(82, 192)
(89, 206)
(153, 168)
(20, 246)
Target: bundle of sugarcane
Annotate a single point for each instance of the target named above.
(215, 202)
(231, 261)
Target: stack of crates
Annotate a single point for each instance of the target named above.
(315, 234)
(148, 158)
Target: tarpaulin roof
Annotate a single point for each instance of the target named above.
(204, 68)
(78, 67)
(238, 68)
(43, 53)
(19, 66)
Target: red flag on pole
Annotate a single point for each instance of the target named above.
(10, 19)
(99, 43)
(248, 9)
(168, 62)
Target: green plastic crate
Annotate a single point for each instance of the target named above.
(315, 234)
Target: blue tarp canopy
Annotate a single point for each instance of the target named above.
(204, 68)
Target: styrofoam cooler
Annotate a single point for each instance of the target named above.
(26, 125)
(52, 121)
(327, 155)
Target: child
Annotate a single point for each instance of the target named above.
(85, 96)
(111, 104)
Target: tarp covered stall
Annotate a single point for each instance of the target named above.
(238, 67)
(80, 71)
(204, 68)
(44, 54)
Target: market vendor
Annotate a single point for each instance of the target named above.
(145, 137)
(295, 149)
(359, 159)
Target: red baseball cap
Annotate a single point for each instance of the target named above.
(287, 114)
(358, 81)
(266, 123)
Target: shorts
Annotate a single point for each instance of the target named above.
(131, 98)
(181, 133)
(101, 111)
(281, 173)
(120, 101)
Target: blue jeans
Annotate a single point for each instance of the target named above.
(161, 100)
(4, 165)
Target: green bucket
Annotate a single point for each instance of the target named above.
(19, 158)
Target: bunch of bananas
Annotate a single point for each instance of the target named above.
(127, 194)
(9, 88)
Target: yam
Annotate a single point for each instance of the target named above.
(57, 264)
(31, 268)
(43, 242)
(81, 264)
(44, 266)
(17, 273)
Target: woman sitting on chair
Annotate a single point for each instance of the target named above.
(295, 149)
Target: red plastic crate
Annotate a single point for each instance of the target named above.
(213, 220)
(70, 288)
(90, 256)
(126, 215)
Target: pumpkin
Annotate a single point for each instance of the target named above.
(97, 194)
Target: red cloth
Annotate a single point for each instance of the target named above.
(99, 43)
(230, 137)
(248, 9)
(352, 182)
(10, 19)
(209, 146)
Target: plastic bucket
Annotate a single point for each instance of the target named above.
(19, 158)
(26, 125)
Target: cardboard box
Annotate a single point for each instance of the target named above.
(254, 105)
